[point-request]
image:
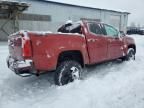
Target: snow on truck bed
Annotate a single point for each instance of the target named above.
(107, 85)
(43, 33)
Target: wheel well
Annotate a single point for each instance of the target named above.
(132, 46)
(71, 55)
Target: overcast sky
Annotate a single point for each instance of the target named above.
(135, 7)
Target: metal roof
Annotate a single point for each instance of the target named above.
(80, 6)
(12, 5)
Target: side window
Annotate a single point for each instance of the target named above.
(95, 28)
(111, 31)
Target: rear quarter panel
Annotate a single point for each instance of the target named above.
(46, 48)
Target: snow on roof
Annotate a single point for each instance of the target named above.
(11, 5)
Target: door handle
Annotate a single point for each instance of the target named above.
(110, 40)
(92, 40)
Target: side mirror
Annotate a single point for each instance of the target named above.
(122, 33)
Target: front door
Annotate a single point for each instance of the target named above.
(115, 49)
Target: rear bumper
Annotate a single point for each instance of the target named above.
(22, 68)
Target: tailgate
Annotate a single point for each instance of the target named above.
(20, 46)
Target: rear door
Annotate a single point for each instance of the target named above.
(96, 42)
(115, 43)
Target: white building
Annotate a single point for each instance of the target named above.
(44, 15)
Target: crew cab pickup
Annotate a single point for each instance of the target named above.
(67, 51)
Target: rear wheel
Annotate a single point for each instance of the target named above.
(67, 72)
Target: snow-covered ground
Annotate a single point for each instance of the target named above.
(108, 85)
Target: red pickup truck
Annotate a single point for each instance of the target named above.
(67, 51)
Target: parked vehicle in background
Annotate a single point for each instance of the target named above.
(67, 51)
(135, 31)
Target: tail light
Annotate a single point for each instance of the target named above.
(17, 42)
(26, 47)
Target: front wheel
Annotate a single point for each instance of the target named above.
(67, 72)
(130, 55)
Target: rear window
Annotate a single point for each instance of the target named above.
(70, 28)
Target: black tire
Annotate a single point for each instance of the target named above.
(67, 72)
(130, 55)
